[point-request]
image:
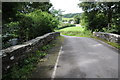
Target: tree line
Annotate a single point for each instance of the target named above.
(70, 15)
(101, 16)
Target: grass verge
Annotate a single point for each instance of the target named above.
(75, 31)
(116, 45)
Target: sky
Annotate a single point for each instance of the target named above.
(69, 6)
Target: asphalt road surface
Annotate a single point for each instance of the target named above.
(82, 57)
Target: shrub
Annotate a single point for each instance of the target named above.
(42, 22)
(29, 26)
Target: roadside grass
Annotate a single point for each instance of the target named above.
(27, 65)
(64, 25)
(75, 31)
(116, 45)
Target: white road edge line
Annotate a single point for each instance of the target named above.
(55, 67)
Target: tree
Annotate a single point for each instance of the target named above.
(100, 15)
(70, 15)
(10, 9)
(77, 19)
(108, 9)
(44, 6)
(26, 20)
(57, 13)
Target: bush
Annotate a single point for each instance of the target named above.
(42, 22)
(29, 26)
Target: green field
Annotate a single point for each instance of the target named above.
(75, 31)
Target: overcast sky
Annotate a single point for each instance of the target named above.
(69, 6)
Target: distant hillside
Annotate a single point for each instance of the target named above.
(70, 15)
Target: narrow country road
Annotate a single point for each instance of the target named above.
(82, 57)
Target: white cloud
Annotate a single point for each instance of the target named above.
(69, 6)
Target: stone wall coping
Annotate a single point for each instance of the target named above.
(116, 35)
(108, 36)
(25, 44)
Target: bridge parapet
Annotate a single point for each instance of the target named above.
(108, 36)
(14, 54)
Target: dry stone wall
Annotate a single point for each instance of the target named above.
(108, 36)
(14, 54)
